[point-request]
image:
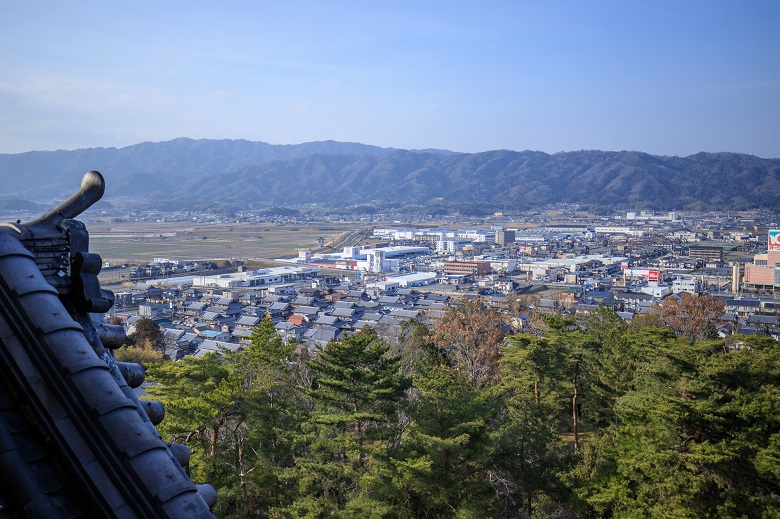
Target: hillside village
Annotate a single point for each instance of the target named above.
(629, 264)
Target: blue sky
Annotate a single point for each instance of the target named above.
(665, 77)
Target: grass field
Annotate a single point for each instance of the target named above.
(141, 242)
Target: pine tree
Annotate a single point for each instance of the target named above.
(266, 370)
(358, 388)
(236, 413)
(697, 436)
(530, 455)
(576, 352)
(441, 468)
(199, 395)
(148, 336)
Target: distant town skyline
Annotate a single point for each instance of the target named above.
(666, 78)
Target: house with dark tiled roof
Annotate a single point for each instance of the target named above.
(174, 352)
(289, 331)
(430, 296)
(320, 336)
(310, 292)
(371, 317)
(214, 335)
(303, 301)
(356, 295)
(173, 334)
(309, 313)
(339, 289)
(280, 309)
(407, 293)
(645, 307)
(326, 320)
(227, 306)
(547, 306)
(244, 325)
(212, 346)
(189, 341)
(217, 319)
(344, 314)
(210, 315)
(247, 322)
(359, 325)
(240, 334)
(582, 308)
(405, 314)
(390, 320)
(254, 310)
(743, 307)
(195, 306)
(390, 300)
(150, 292)
(368, 306)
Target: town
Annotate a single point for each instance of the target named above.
(559, 260)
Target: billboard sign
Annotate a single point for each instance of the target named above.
(774, 239)
(652, 275)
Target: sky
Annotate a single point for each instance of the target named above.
(664, 77)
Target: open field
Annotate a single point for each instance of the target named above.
(141, 242)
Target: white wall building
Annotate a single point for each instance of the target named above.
(257, 278)
(686, 284)
(375, 260)
(656, 290)
(614, 229)
(451, 246)
(168, 261)
(416, 279)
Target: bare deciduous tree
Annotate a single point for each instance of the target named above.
(691, 316)
(471, 335)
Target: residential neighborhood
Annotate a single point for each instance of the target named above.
(630, 264)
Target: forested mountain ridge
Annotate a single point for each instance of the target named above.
(252, 174)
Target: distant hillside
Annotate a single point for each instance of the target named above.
(52, 171)
(14, 204)
(251, 174)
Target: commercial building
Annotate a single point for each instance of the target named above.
(649, 215)
(612, 229)
(764, 272)
(505, 237)
(688, 284)
(467, 268)
(257, 278)
(706, 253)
(374, 260)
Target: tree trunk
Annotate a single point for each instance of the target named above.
(574, 406)
(215, 436)
(242, 474)
(536, 390)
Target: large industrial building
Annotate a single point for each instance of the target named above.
(374, 260)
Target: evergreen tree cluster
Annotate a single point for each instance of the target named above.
(588, 418)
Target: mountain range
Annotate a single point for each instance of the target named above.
(242, 174)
